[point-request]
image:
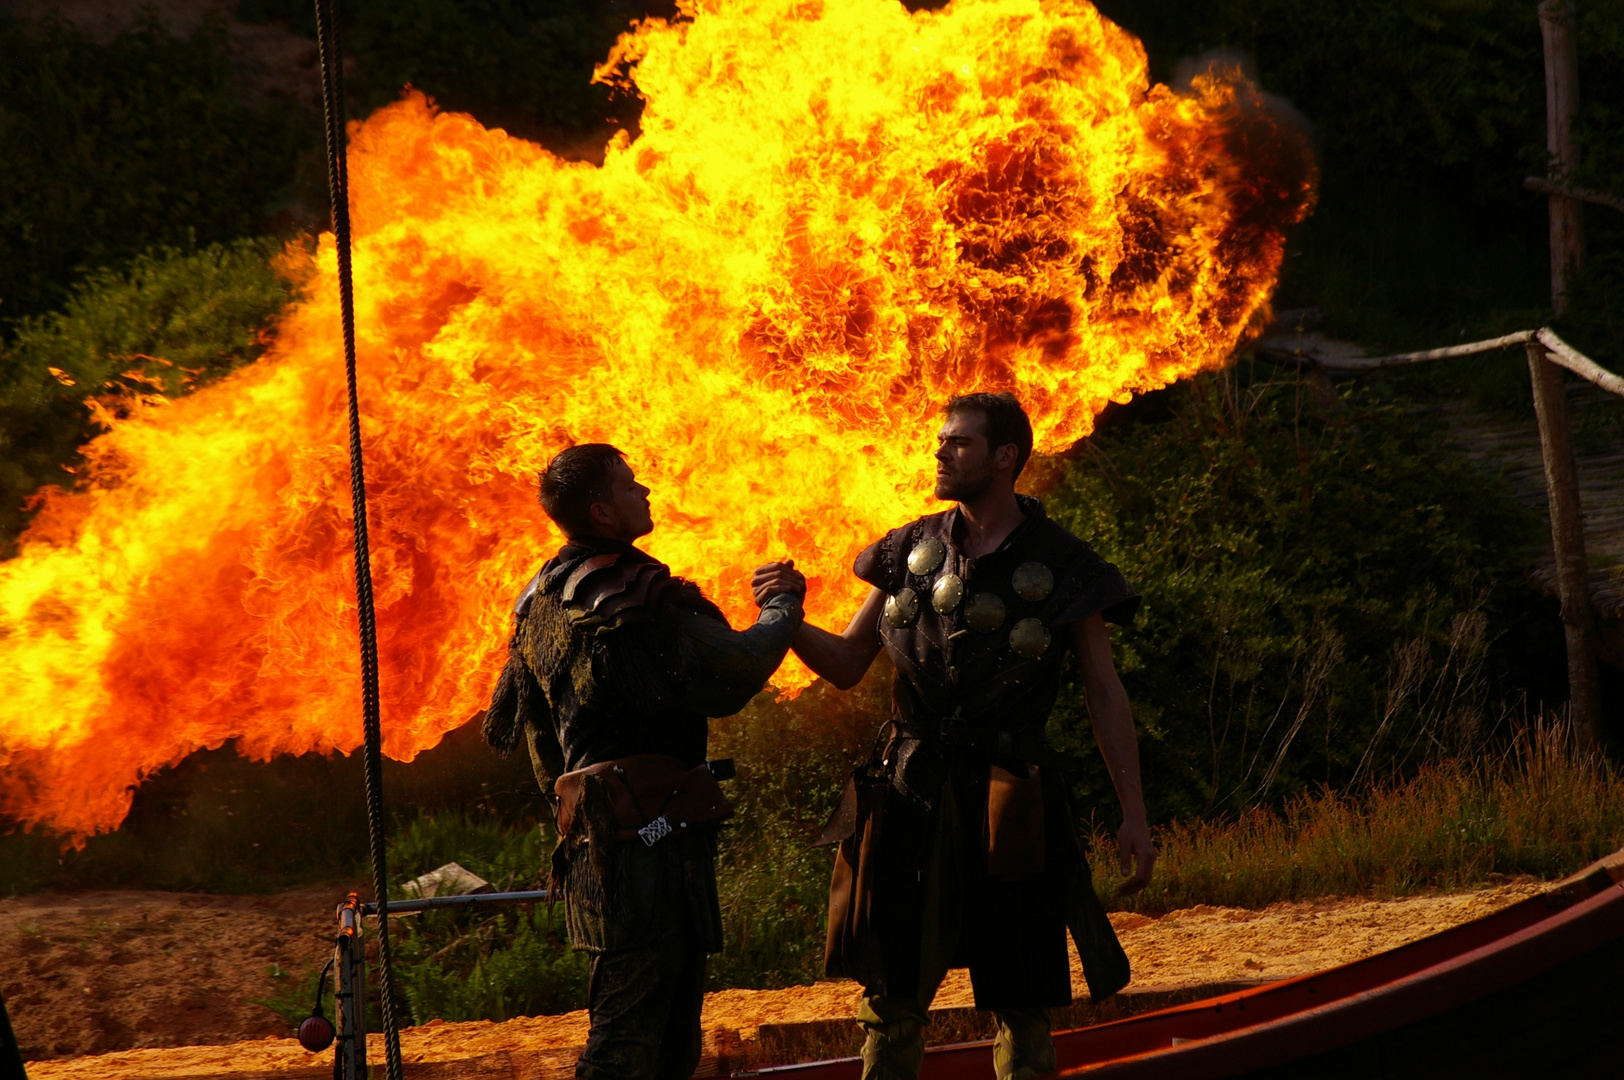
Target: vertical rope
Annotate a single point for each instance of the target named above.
(338, 186)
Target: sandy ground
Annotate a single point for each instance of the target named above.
(90, 972)
(132, 983)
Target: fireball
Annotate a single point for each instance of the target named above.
(836, 215)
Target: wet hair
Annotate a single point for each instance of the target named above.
(1007, 422)
(578, 477)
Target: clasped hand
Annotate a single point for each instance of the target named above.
(773, 578)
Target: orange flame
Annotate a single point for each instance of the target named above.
(837, 215)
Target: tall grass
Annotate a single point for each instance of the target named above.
(1539, 807)
(1536, 806)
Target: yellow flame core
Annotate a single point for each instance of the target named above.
(837, 215)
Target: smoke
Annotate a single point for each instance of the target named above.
(1277, 142)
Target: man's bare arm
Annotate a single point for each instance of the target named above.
(1113, 731)
(843, 659)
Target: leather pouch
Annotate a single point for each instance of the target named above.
(855, 827)
(643, 788)
(1015, 844)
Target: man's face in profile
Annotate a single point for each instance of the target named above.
(964, 466)
(625, 514)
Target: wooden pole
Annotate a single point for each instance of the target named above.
(1561, 107)
(1550, 396)
(1568, 538)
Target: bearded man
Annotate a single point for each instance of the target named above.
(959, 847)
(614, 667)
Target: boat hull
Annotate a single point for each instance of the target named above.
(1535, 989)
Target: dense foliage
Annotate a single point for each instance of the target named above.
(1324, 590)
(471, 965)
(112, 148)
(168, 322)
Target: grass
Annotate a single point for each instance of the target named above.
(466, 965)
(1537, 808)
(1533, 806)
(293, 995)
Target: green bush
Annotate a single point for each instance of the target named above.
(1330, 597)
(473, 965)
(167, 323)
(469, 966)
(111, 149)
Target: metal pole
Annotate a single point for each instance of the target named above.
(1550, 397)
(350, 993)
(432, 903)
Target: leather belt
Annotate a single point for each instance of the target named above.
(998, 742)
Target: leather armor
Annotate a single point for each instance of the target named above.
(628, 659)
(978, 643)
(615, 659)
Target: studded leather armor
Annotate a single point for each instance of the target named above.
(612, 655)
(978, 643)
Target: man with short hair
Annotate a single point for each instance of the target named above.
(613, 669)
(961, 848)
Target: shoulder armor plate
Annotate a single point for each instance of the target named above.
(587, 568)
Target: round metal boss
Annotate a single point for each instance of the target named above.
(1033, 581)
(902, 609)
(948, 592)
(1029, 638)
(926, 556)
(984, 613)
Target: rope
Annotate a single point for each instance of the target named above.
(338, 186)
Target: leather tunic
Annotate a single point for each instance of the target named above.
(978, 646)
(613, 656)
(979, 662)
(633, 660)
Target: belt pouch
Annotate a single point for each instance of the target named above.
(1015, 847)
(643, 787)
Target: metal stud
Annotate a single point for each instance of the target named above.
(984, 613)
(1029, 638)
(926, 556)
(1033, 581)
(948, 592)
(902, 609)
